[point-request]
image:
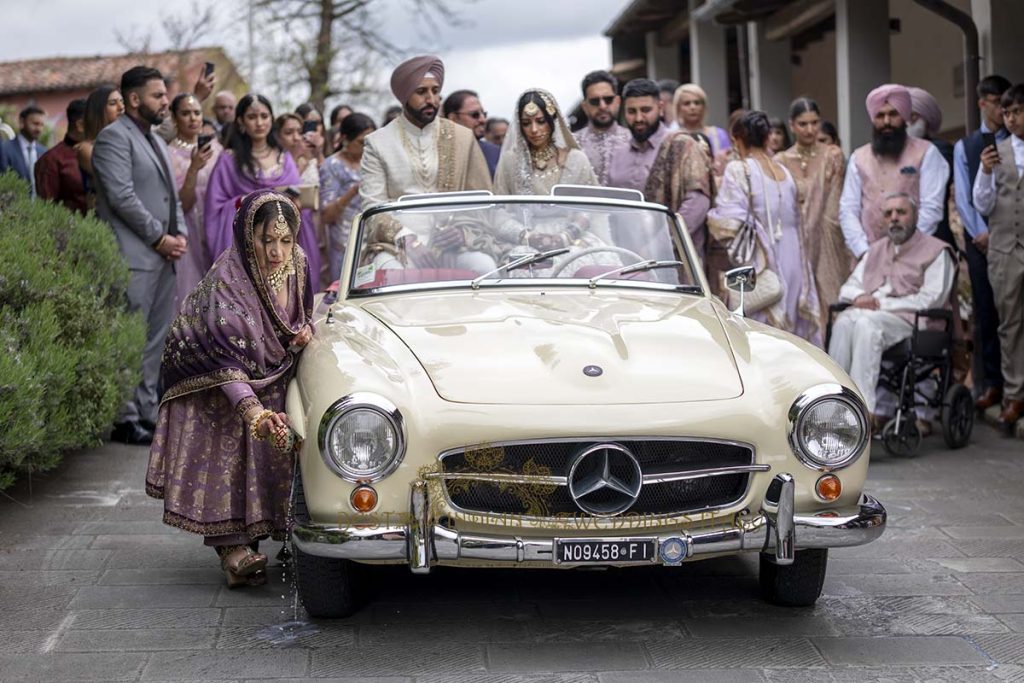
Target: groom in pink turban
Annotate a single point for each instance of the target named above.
(419, 153)
(891, 162)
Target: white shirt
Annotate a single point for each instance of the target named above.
(934, 292)
(932, 192)
(985, 183)
(28, 150)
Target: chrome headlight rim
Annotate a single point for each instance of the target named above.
(361, 401)
(812, 397)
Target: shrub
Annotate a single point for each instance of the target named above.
(69, 350)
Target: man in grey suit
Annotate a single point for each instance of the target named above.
(136, 195)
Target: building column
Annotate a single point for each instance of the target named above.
(770, 78)
(1002, 51)
(862, 64)
(662, 60)
(708, 66)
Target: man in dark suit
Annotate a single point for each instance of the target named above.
(988, 375)
(136, 195)
(464, 108)
(21, 154)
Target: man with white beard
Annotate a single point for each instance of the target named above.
(901, 273)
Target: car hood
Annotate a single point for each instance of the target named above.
(533, 347)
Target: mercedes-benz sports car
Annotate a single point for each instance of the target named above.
(547, 381)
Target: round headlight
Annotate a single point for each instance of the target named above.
(361, 438)
(827, 427)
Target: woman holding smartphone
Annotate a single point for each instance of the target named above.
(193, 156)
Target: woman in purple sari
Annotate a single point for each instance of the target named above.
(758, 189)
(221, 455)
(253, 161)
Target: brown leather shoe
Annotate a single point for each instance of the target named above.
(990, 397)
(1012, 412)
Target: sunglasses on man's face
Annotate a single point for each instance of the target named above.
(478, 114)
(595, 101)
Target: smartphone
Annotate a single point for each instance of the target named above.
(310, 126)
(208, 68)
(203, 140)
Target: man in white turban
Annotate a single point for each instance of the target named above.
(891, 162)
(418, 153)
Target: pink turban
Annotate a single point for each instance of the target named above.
(408, 75)
(892, 94)
(925, 106)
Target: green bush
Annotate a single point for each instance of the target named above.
(70, 352)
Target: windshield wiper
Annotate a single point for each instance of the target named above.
(638, 267)
(525, 260)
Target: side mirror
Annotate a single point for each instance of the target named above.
(742, 279)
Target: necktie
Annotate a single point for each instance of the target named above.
(172, 222)
(30, 155)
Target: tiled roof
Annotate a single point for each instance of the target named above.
(56, 74)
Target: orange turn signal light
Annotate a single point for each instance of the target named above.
(828, 487)
(364, 498)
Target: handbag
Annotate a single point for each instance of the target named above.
(769, 289)
(741, 248)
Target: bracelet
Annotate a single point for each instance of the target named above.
(160, 242)
(254, 426)
(245, 405)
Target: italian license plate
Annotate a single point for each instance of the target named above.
(604, 551)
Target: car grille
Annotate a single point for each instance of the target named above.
(532, 476)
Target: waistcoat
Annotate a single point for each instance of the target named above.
(903, 269)
(1006, 222)
(880, 176)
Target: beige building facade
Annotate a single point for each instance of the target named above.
(763, 53)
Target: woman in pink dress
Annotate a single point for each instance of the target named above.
(192, 166)
(254, 161)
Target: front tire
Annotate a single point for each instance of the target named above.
(794, 585)
(326, 585)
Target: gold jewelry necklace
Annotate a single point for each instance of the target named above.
(805, 154)
(181, 144)
(541, 158)
(278, 278)
(419, 160)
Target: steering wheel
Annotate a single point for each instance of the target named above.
(557, 270)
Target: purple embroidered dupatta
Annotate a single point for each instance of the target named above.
(230, 328)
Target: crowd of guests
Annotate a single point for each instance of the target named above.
(815, 214)
(233, 221)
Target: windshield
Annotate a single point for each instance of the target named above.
(497, 242)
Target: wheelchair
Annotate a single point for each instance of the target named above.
(923, 361)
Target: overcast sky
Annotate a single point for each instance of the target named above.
(506, 47)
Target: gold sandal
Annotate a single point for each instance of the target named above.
(239, 562)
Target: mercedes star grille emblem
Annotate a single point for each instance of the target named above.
(605, 480)
(593, 371)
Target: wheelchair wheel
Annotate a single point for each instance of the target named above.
(902, 443)
(957, 416)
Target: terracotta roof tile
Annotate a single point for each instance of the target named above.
(55, 74)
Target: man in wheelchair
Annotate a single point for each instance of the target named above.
(904, 280)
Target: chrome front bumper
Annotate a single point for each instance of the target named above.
(776, 529)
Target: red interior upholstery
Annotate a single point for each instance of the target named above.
(408, 276)
(587, 272)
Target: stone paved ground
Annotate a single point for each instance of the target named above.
(93, 587)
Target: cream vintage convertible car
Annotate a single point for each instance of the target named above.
(560, 391)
